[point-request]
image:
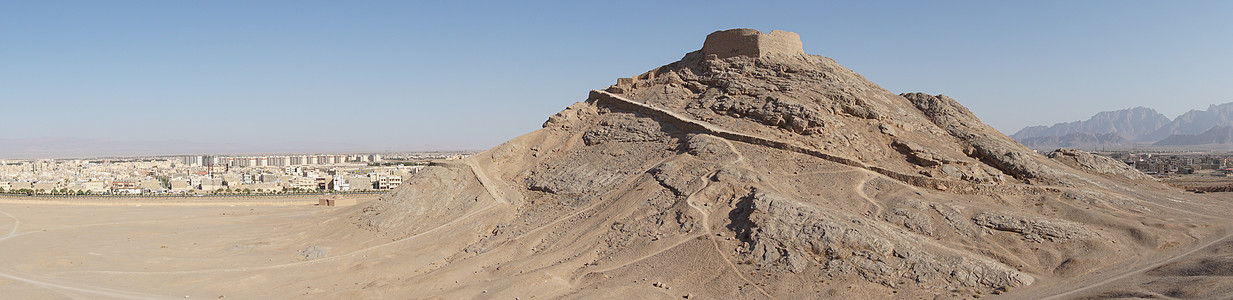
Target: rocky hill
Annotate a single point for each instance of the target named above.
(751, 170)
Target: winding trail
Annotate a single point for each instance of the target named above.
(12, 231)
(1080, 287)
(706, 231)
(484, 181)
(8, 273)
(1142, 269)
(648, 255)
(628, 182)
(706, 223)
(860, 190)
(685, 122)
(705, 127)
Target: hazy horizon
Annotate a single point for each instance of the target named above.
(398, 74)
(68, 147)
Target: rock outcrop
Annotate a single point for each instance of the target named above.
(983, 142)
(788, 234)
(749, 169)
(1097, 164)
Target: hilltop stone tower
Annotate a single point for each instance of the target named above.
(817, 180)
(753, 43)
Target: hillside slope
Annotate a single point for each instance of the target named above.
(749, 169)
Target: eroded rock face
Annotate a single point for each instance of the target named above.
(1036, 229)
(783, 232)
(591, 171)
(986, 144)
(619, 128)
(442, 193)
(1096, 164)
(749, 157)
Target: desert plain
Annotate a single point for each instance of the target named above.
(746, 170)
(161, 248)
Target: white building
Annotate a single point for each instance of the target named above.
(339, 183)
(193, 160)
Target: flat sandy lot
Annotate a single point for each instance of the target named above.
(290, 248)
(151, 248)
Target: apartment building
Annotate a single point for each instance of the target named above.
(386, 182)
(125, 187)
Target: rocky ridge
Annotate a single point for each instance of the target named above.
(1097, 164)
(750, 169)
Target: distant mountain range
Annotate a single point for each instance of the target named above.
(1196, 122)
(1077, 140)
(1215, 135)
(1130, 124)
(1133, 127)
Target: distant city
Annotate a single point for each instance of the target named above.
(1176, 163)
(215, 174)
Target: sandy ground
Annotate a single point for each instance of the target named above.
(242, 248)
(143, 248)
(617, 198)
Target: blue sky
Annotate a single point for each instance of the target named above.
(460, 74)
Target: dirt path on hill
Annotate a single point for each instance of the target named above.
(1087, 285)
(485, 181)
(860, 191)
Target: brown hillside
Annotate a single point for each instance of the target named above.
(749, 169)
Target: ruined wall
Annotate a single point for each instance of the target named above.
(753, 43)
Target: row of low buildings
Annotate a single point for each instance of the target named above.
(91, 187)
(277, 161)
(1176, 163)
(305, 181)
(202, 184)
(185, 175)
